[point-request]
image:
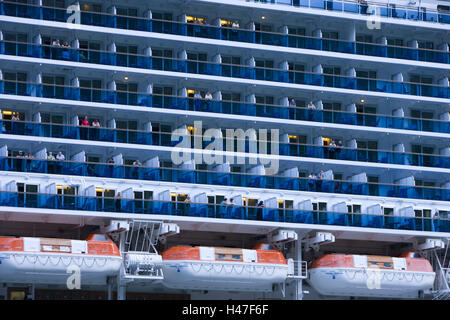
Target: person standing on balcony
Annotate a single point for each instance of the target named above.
(234, 30)
(319, 180)
(222, 209)
(84, 131)
(60, 156)
(292, 105)
(14, 125)
(95, 130)
(435, 220)
(85, 121)
(50, 163)
(208, 99)
(29, 157)
(59, 165)
(332, 150)
(65, 52)
(55, 50)
(118, 200)
(259, 210)
(187, 206)
(311, 107)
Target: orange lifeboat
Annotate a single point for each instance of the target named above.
(372, 276)
(52, 261)
(218, 268)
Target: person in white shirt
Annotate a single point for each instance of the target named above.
(208, 98)
(311, 105)
(95, 132)
(60, 156)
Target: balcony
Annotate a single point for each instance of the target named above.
(207, 210)
(237, 34)
(355, 7)
(224, 70)
(221, 106)
(246, 180)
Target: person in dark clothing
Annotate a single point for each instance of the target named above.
(259, 211)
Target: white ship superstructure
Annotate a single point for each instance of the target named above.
(285, 149)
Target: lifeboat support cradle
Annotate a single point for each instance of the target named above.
(141, 261)
(297, 269)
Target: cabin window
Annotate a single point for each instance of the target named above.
(387, 265)
(236, 257)
(221, 256)
(267, 247)
(100, 237)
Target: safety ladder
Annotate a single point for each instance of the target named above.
(297, 269)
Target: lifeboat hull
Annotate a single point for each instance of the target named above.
(213, 275)
(54, 268)
(370, 282)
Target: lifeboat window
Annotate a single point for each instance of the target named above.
(267, 247)
(100, 237)
(236, 257)
(416, 255)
